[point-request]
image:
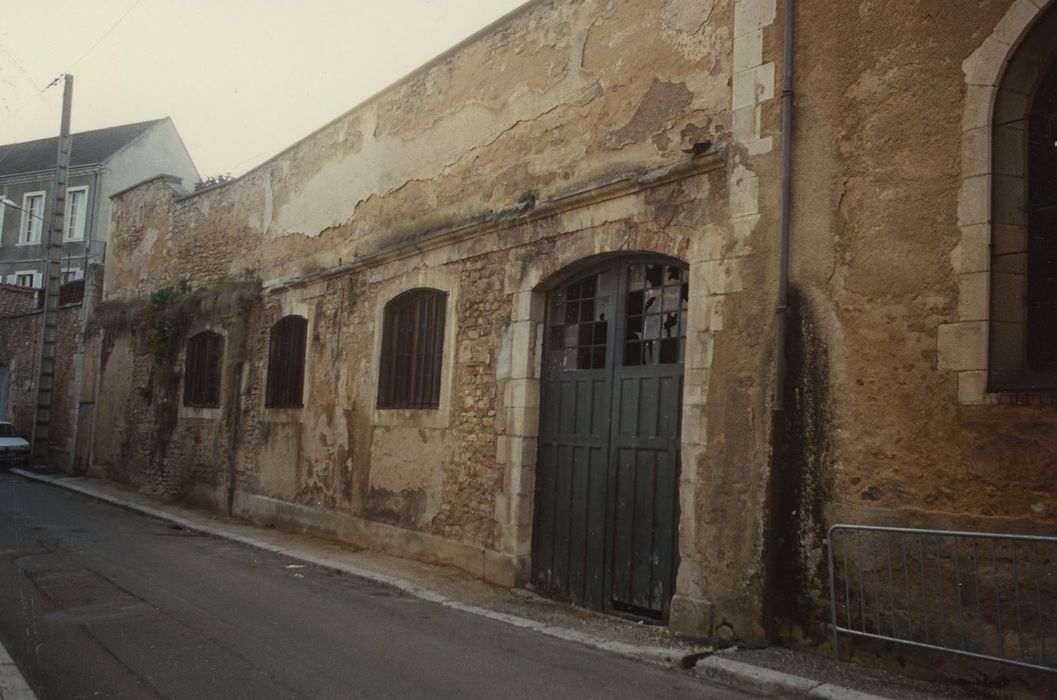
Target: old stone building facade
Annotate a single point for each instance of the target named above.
(517, 312)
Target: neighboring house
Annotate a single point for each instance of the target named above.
(102, 162)
(518, 312)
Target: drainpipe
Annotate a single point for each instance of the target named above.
(780, 525)
(781, 328)
(233, 439)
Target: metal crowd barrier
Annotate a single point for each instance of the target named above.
(979, 594)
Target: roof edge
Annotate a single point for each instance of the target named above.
(138, 137)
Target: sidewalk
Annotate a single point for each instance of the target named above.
(12, 685)
(773, 672)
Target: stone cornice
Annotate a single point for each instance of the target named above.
(578, 198)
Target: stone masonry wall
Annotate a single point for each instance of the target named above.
(877, 253)
(19, 340)
(559, 138)
(571, 133)
(20, 353)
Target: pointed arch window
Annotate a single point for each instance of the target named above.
(1042, 226)
(1022, 354)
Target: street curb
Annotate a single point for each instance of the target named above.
(766, 681)
(13, 685)
(657, 655)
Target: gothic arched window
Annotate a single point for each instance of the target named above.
(1023, 312)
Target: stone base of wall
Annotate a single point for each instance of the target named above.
(492, 566)
(691, 616)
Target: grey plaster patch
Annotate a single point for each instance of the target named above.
(663, 102)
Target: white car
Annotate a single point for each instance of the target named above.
(14, 450)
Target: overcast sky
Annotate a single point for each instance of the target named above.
(242, 79)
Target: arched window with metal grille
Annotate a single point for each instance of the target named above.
(412, 350)
(286, 363)
(1023, 267)
(1042, 225)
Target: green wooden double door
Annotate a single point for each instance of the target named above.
(607, 474)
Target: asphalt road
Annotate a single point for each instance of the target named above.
(99, 602)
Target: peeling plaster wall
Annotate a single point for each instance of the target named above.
(560, 137)
(570, 132)
(550, 100)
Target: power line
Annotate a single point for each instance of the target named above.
(19, 66)
(99, 40)
(80, 58)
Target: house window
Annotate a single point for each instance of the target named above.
(32, 218)
(412, 348)
(25, 279)
(286, 363)
(1023, 314)
(76, 213)
(72, 274)
(205, 352)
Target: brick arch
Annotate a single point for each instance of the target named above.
(963, 344)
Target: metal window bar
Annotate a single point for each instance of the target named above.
(412, 348)
(202, 369)
(983, 595)
(286, 363)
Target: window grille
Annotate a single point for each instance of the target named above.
(1042, 225)
(286, 363)
(205, 351)
(412, 348)
(1022, 317)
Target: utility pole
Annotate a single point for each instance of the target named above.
(49, 334)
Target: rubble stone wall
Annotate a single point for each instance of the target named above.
(20, 355)
(568, 133)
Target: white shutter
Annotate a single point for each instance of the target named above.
(38, 280)
(11, 279)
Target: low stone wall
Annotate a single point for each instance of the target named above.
(20, 355)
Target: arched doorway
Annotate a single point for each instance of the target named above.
(607, 476)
